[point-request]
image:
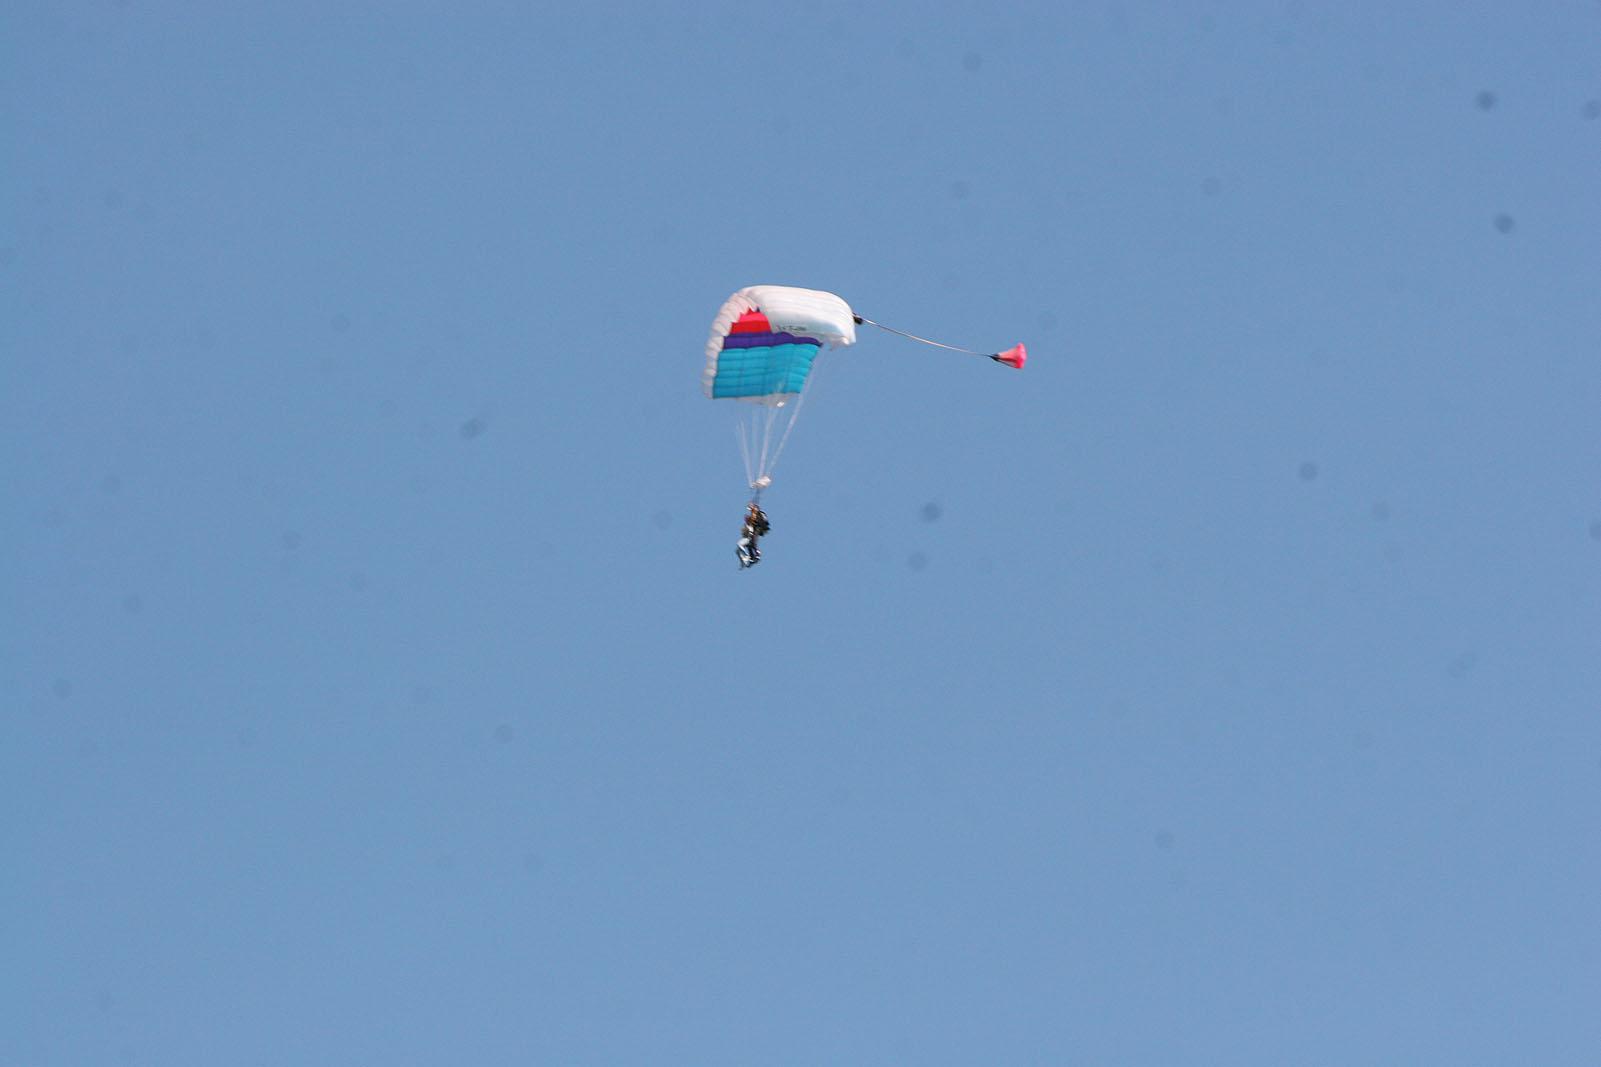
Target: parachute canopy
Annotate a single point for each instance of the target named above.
(765, 338)
(761, 351)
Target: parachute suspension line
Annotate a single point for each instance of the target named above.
(755, 432)
(742, 431)
(769, 426)
(760, 420)
(923, 340)
(806, 387)
(760, 440)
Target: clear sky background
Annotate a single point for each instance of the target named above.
(378, 684)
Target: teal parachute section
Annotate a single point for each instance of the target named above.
(763, 370)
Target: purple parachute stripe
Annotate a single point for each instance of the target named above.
(764, 340)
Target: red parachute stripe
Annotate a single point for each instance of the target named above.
(752, 322)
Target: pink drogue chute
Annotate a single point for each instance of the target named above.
(1015, 356)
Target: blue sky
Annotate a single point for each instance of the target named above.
(380, 687)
